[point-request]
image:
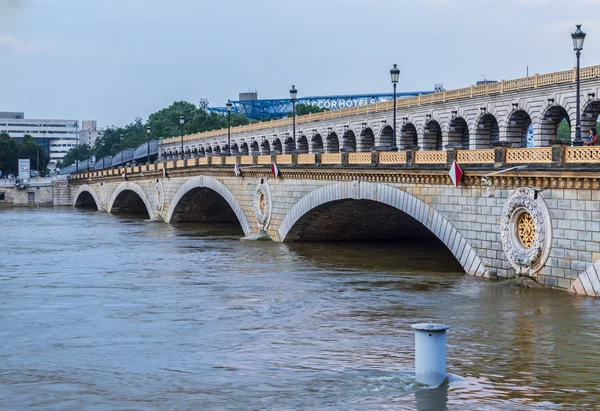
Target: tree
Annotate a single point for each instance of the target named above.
(28, 148)
(303, 109)
(81, 153)
(564, 130)
(9, 154)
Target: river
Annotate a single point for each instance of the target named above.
(104, 312)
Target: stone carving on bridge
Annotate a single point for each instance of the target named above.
(160, 196)
(526, 231)
(262, 205)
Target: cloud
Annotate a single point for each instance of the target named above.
(22, 46)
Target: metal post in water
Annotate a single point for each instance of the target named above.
(430, 353)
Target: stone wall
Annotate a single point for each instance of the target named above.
(27, 197)
(470, 220)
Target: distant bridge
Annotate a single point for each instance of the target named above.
(276, 108)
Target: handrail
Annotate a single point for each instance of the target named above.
(534, 81)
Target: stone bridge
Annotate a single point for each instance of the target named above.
(475, 117)
(540, 220)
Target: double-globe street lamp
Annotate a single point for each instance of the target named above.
(229, 105)
(395, 74)
(578, 37)
(181, 123)
(293, 95)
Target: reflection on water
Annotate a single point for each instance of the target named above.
(105, 312)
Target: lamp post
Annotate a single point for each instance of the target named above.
(103, 157)
(578, 37)
(181, 123)
(293, 94)
(148, 130)
(395, 74)
(228, 105)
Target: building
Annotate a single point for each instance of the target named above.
(55, 136)
(89, 132)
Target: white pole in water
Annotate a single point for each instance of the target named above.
(430, 353)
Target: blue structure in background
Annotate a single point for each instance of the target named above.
(277, 108)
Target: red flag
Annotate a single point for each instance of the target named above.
(236, 169)
(455, 173)
(124, 174)
(164, 172)
(274, 170)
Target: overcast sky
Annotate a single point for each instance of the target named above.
(114, 60)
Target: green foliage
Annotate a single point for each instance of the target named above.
(564, 130)
(81, 153)
(11, 151)
(303, 109)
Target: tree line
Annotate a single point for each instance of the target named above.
(162, 124)
(12, 150)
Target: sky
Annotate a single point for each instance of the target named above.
(115, 60)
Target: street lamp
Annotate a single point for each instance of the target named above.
(293, 94)
(578, 37)
(228, 105)
(148, 132)
(395, 74)
(181, 122)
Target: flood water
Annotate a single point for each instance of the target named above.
(101, 312)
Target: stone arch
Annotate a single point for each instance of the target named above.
(458, 133)
(349, 141)
(83, 202)
(487, 132)
(244, 149)
(316, 143)
(432, 136)
(265, 147)
(420, 211)
(385, 137)
(216, 186)
(549, 123)
(517, 128)
(366, 140)
(589, 116)
(303, 144)
(217, 150)
(201, 152)
(254, 148)
(133, 188)
(588, 282)
(332, 143)
(209, 151)
(277, 149)
(288, 145)
(408, 136)
(235, 149)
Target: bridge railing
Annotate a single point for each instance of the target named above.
(558, 155)
(537, 80)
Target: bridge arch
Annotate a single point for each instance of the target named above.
(254, 148)
(458, 133)
(550, 121)
(125, 196)
(332, 143)
(199, 182)
(517, 128)
(288, 145)
(385, 195)
(316, 143)
(487, 132)
(349, 140)
(589, 116)
(431, 138)
(303, 144)
(366, 140)
(277, 149)
(408, 136)
(84, 194)
(265, 147)
(385, 136)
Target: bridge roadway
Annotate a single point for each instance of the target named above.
(542, 220)
(474, 117)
